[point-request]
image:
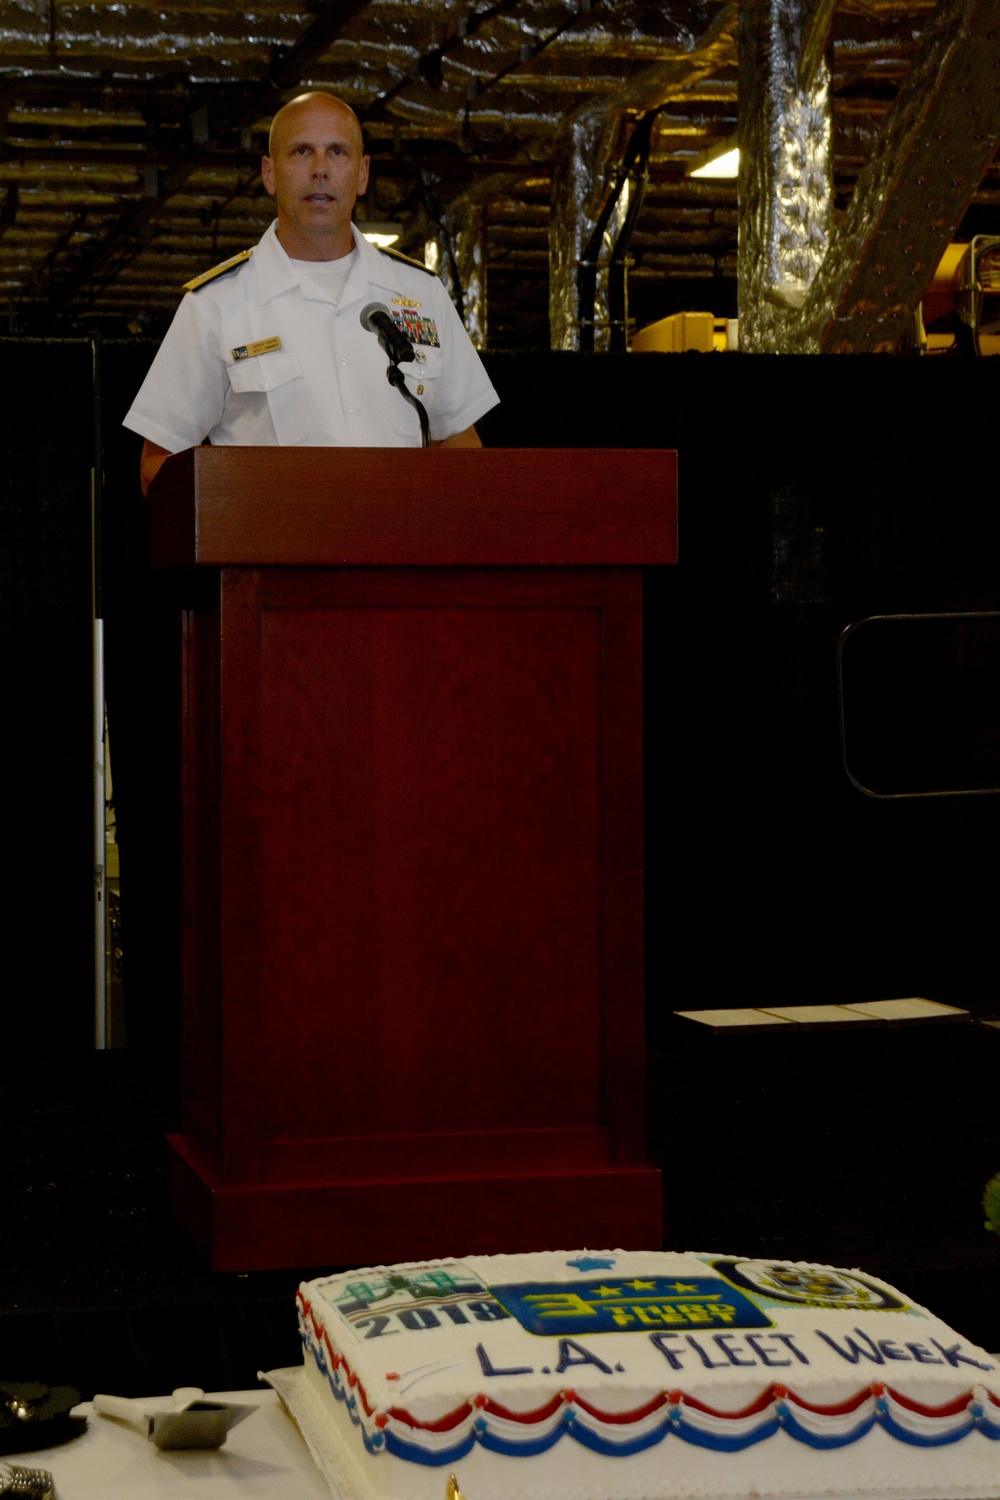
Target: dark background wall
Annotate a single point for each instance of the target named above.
(46, 457)
(814, 492)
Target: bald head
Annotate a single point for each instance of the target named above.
(315, 169)
(290, 114)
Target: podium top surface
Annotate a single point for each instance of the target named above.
(451, 507)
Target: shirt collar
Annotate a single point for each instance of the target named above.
(276, 274)
(274, 271)
(365, 261)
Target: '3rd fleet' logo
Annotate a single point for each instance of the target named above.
(635, 1304)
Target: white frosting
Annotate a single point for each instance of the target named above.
(607, 1374)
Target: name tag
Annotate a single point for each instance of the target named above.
(262, 346)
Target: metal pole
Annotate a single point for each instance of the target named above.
(100, 852)
(101, 1019)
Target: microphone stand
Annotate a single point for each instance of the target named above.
(394, 375)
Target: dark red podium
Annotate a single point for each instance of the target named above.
(412, 849)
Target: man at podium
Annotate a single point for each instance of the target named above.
(269, 347)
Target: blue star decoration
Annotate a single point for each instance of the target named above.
(592, 1262)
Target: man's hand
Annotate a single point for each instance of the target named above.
(149, 465)
(467, 439)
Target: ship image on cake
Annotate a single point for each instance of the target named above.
(398, 1292)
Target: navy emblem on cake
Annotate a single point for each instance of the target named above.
(809, 1286)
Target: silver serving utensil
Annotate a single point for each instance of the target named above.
(26, 1484)
(192, 1423)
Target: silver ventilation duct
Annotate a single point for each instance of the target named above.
(130, 138)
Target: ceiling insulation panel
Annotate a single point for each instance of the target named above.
(131, 135)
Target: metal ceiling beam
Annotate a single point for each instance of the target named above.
(428, 66)
(408, 160)
(288, 66)
(124, 239)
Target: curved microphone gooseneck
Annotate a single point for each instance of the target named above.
(377, 319)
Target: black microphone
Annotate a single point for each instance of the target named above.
(376, 318)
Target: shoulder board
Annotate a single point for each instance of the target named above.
(232, 264)
(407, 260)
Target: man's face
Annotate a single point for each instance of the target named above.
(316, 171)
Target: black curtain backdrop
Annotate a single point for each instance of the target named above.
(143, 696)
(46, 453)
(813, 492)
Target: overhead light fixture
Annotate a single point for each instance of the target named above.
(721, 161)
(381, 233)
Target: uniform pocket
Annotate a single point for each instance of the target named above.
(422, 376)
(265, 372)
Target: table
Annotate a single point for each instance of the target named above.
(264, 1456)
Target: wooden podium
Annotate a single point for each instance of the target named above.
(412, 849)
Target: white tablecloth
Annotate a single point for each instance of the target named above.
(264, 1456)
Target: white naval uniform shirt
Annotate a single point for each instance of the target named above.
(326, 385)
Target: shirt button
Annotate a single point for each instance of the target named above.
(343, 360)
(351, 409)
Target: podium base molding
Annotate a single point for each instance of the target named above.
(269, 1226)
